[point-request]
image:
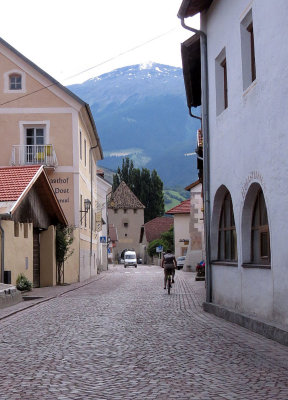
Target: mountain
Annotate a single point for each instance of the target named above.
(141, 112)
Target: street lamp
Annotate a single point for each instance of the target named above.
(87, 205)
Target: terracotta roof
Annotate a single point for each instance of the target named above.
(123, 197)
(156, 226)
(182, 208)
(14, 180)
(16, 183)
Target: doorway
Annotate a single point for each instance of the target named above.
(36, 258)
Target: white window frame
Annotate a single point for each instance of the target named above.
(246, 51)
(7, 81)
(220, 84)
(23, 125)
(80, 144)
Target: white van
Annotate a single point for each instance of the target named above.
(130, 259)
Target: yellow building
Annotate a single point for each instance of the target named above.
(29, 214)
(42, 122)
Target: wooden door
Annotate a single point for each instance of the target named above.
(36, 258)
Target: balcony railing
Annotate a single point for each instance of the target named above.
(199, 138)
(43, 154)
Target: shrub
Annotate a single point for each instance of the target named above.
(22, 283)
(200, 268)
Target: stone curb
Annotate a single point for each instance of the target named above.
(264, 328)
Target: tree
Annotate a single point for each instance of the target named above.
(151, 248)
(116, 182)
(156, 197)
(145, 193)
(166, 240)
(125, 173)
(64, 239)
(146, 186)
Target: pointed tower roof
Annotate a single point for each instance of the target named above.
(123, 197)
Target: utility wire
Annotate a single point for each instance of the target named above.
(95, 66)
(122, 53)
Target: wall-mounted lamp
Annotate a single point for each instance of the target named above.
(87, 205)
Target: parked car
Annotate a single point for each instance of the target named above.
(130, 259)
(180, 261)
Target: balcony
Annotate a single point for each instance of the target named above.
(43, 154)
(199, 138)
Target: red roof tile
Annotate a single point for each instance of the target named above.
(14, 180)
(182, 208)
(156, 226)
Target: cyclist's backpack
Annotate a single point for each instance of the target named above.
(168, 258)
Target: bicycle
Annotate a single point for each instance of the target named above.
(169, 282)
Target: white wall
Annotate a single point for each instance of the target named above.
(181, 231)
(103, 188)
(248, 143)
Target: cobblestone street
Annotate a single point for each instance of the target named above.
(123, 337)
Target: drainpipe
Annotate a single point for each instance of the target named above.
(2, 251)
(91, 206)
(194, 116)
(2, 245)
(206, 161)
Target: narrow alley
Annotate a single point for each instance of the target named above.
(122, 337)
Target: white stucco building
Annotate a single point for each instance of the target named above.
(181, 214)
(246, 166)
(195, 252)
(104, 189)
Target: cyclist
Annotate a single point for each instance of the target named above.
(169, 265)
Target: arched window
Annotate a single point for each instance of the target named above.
(260, 238)
(227, 239)
(15, 82)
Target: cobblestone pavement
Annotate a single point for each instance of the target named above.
(123, 337)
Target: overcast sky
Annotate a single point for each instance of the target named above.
(65, 37)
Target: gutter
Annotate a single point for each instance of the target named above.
(206, 161)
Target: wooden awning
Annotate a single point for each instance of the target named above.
(191, 62)
(189, 8)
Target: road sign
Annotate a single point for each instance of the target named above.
(159, 249)
(102, 239)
